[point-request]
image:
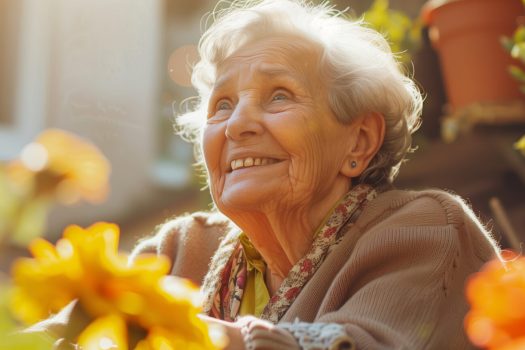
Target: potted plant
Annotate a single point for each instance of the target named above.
(515, 45)
(466, 34)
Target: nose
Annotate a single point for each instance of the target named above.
(245, 121)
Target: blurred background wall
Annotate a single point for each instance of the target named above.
(97, 68)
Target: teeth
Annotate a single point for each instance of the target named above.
(248, 162)
(238, 164)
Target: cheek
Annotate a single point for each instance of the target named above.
(306, 165)
(315, 154)
(212, 147)
(292, 133)
(302, 142)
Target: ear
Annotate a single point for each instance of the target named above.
(369, 133)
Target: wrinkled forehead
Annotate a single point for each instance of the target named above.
(288, 56)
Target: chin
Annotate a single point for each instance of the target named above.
(240, 199)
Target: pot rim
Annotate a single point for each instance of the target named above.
(430, 7)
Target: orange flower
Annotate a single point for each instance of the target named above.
(85, 265)
(497, 297)
(63, 165)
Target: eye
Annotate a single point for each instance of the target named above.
(223, 105)
(280, 96)
(220, 110)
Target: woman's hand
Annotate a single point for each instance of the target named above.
(232, 330)
(251, 333)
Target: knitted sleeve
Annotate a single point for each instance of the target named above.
(188, 241)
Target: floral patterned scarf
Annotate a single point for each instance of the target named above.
(223, 301)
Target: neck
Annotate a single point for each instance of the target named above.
(283, 235)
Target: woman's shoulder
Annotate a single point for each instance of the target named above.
(428, 207)
(199, 219)
(199, 229)
(430, 214)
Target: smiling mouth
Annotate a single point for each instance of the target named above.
(249, 162)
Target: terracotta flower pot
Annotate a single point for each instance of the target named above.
(466, 34)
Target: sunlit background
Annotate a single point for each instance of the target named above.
(115, 72)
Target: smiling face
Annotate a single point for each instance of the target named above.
(271, 142)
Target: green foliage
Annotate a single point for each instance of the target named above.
(520, 145)
(9, 338)
(402, 33)
(516, 48)
(20, 220)
(517, 73)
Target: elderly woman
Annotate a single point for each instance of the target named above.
(303, 121)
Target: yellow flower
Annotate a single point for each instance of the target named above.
(64, 166)
(57, 166)
(497, 298)
(45, 284)
(85, 265)
(104, 333)
(520, 145)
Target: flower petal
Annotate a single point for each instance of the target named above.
(105, 333)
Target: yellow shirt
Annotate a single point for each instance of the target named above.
(255, 295)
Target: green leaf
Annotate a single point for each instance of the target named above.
(9, 339)
(26, 341)
(519, 34)
(507, 43)
(31, 221)
(8, 205)
(380, 5)
(6, 323)
(520, 145)
(401, 32)
(517, 73)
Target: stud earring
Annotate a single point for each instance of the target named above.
(353, 164)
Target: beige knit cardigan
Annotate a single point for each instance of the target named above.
(395, 281)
